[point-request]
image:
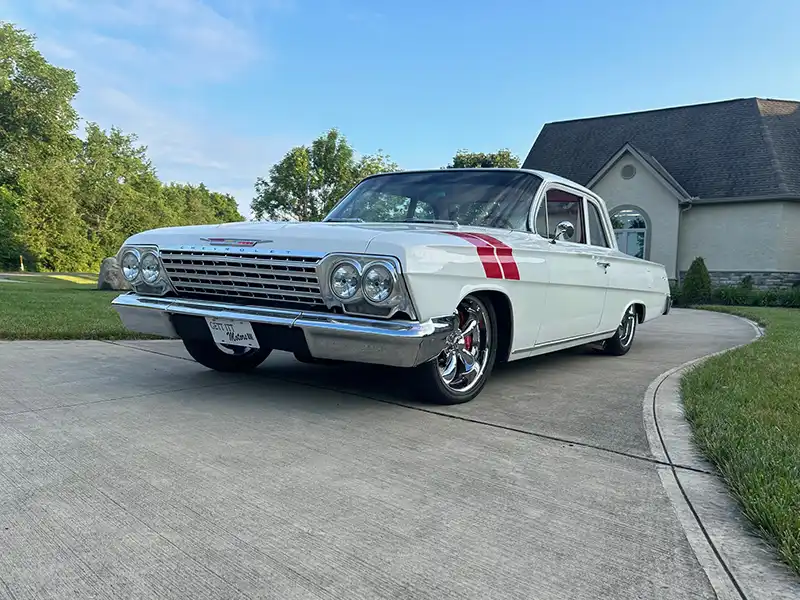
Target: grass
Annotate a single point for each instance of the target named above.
(58, 307)
(744, 407)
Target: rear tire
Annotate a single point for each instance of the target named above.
(622, 341)
(228, 360)
(461, 371)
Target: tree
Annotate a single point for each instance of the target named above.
(309, 180)
(67, 203)
(502, 158)
(372, 164)
(696, 287)
(189, 204)
(36, 154)
(118, 192)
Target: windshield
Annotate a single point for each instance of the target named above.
(480, 198)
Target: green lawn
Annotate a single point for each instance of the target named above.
(59, 307)
(745, 410)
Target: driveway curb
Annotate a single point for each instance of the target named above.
(738, 563)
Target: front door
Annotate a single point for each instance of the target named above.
(578, 272)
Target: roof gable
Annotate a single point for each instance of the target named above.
(648, 161)
(731, 149)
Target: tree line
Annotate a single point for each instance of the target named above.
(69, 201)
(308, 181)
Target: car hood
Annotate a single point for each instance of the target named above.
(284, 236)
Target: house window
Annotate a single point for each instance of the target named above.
(631, 230)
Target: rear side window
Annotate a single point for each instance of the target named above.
(597, 235)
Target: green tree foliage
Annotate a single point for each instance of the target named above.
(189, 204)
(67, 203)
(118, 191)
(696, 287)
(36, 114)
(36, 144)
(464, 159)
(310, 180)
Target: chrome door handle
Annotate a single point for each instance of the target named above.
(603, 264)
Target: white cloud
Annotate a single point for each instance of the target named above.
(184, 40)
(181, 150)
(126, 52)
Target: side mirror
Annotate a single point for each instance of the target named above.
(564, 231)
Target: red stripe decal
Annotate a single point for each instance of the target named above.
(504, 255)
(486, 252)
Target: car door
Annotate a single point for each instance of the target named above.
(602, 249)
(578, 275)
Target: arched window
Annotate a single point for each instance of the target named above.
(632, 229)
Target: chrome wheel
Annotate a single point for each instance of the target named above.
(463, 361)
(627, 328)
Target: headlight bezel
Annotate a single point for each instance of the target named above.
(356, 266)
(158, 267)
(160, 286)
(392, 276)
(138, 257)
(398, 301)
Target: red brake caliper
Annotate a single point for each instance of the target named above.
(467, 338)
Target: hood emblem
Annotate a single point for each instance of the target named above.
(232, 242)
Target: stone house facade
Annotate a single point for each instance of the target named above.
(718, 180)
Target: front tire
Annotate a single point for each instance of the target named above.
(460, 372)
(230, 359)
(622, 341)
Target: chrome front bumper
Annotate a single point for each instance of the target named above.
(326, 336)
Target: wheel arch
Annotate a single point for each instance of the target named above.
(504, 314)
(641, 310)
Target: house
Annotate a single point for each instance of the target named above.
(718, 180)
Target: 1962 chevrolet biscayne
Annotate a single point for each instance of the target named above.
(444, 272)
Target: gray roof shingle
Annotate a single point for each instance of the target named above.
(729, 149)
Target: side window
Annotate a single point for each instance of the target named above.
(597, 235)
(561, 206)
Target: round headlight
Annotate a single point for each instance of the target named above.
(378, 283)
(150, 268)
(344, 281)
(130, 265)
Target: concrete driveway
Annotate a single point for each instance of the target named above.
(128, 471)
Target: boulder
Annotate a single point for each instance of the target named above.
(110, 277)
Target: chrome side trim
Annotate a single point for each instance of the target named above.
(331, 336)
(569, 340)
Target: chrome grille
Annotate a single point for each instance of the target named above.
(268, 280)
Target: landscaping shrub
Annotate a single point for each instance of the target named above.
(741, 296)
(696, 288)
(738, 296)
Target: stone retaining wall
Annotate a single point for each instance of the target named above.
(764, 280)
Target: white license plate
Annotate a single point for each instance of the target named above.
(232, 333)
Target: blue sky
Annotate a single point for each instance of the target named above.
(220, 89)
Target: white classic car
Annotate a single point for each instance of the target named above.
(445, 272)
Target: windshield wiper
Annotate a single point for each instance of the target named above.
(345, 220)
(432, 221)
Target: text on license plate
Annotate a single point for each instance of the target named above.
(232, 333)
